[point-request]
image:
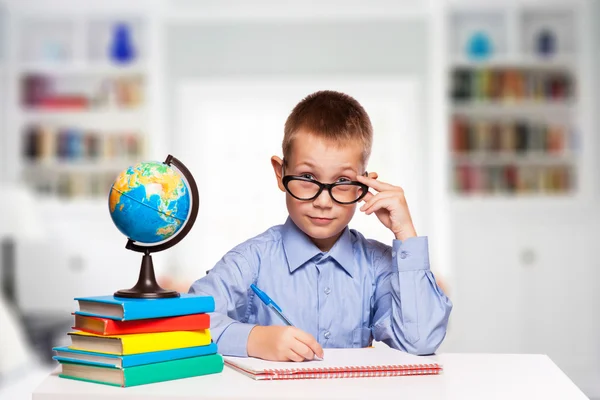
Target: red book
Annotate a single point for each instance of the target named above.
(63, 102)
(106, 326)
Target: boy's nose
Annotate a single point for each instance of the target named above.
(324, 200)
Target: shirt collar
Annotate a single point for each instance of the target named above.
(299, 248)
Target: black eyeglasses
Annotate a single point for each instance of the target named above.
(303, 188)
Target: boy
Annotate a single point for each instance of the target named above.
(338, 288)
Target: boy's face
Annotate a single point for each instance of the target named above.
(322, 219)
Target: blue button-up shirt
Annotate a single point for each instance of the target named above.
(357, 291)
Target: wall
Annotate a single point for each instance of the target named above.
(304, 49)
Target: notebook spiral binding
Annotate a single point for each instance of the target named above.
(353, 372)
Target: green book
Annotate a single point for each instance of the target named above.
(144, 374)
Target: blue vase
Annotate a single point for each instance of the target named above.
(121, 49)
(546, 43)
(479, 46)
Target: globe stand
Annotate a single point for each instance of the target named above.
(146, 286)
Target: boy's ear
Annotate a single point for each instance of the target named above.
(277, 164)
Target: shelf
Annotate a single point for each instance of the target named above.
(82, 166)
(558, 62)
(63, 61)
(81, 69)
(513, 108)
(548, 28)
(530, 158)
(513, 202)
(101, 119)
(513, 82)
(466, 23)
(49, 38)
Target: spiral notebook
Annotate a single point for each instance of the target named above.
(339, 363)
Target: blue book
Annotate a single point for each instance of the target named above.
(65, 354)
(125, 309)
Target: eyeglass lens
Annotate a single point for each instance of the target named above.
(343, 193)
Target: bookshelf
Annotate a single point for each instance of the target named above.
(519, 157)
(514, 105)
(79, 103)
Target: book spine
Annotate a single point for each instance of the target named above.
(110, 326)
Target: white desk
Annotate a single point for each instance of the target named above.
(465, 377)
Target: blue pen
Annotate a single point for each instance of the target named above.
(273, 306)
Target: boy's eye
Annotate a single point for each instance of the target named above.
(343, 180)
(308, 176)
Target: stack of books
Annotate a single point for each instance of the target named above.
(128, 342)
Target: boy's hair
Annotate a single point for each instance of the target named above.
(332, 116)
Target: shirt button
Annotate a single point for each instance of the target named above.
(393, 254)
(327, 290)
(327, 334)
(403, 254)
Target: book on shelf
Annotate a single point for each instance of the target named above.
(510, 84)
(81, 93)
(511, 179)
(70, 144)
(477, 135)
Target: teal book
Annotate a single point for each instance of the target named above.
(125, 309)
(144, 374)
(65, 354)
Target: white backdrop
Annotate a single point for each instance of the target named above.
(230, 129)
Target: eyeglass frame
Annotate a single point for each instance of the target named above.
(286, 179)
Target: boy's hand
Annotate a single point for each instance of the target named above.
(389, 205)
(282, 343)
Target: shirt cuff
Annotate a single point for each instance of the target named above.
(234, 340)
(411, 254)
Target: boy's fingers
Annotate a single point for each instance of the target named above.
(373, 175)
(377, 205)
(376, 198)
(311, 342)
(367, 197)
(293, 356)
(375, 184)
(303, 350)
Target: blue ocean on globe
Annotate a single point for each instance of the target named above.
(149, 202)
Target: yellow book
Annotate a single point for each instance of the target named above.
(138, 342)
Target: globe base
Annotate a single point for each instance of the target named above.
(146, 287)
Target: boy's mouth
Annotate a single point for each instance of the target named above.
(320, 220)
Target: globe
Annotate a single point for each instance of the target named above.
(149, 202)
(153, 206)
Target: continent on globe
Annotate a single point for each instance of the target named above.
(149, 202)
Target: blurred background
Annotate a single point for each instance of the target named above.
(485, 112)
